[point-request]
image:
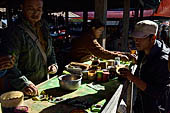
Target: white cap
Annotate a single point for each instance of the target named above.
(144, 28)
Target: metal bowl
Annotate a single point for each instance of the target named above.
(70, 81)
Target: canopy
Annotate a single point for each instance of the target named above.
(163, 9)
(115, 14)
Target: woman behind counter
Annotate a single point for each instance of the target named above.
(86, 46)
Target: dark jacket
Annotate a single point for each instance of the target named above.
(153, 69)
(29, 66)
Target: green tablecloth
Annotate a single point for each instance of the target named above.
(83, 94)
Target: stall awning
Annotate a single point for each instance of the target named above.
(163, 9)
(116, 14)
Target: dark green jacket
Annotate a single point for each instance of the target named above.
(29, 66)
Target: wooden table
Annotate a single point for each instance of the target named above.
(83, 94)
(108, 98)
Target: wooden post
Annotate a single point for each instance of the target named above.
(101, 14)
(9, 16)
(85, 18)
(124, 38)
(66, 17)
(141, 13)
(66, 20)
(136, 14)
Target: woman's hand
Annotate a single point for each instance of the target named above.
(128, 57)
(132, 57)
(123, 57)
(52, 69)
(7, 62)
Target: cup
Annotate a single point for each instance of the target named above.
(110, 62)
(92, 75)
(133, 51)
(85, 74)
(117, 61)
(103, 65)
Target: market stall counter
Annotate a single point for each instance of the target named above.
(89, 97)
(99, 90)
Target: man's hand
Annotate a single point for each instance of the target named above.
(137, 81)
(124, 72)
(6, 62)
(52, 69)
(30, 90)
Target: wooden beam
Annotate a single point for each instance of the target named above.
(101, 14)
(124, 38)
(85, 18)
(9, 16)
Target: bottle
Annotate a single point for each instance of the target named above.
(117, 60)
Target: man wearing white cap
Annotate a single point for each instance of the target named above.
(152, 77)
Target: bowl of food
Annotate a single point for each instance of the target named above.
(12, 99)
(70, 81)
(74, 69)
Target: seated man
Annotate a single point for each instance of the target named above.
(29, 40)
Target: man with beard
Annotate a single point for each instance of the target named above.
(29, 40)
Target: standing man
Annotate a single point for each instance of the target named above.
(29, 40)
(152, 77)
